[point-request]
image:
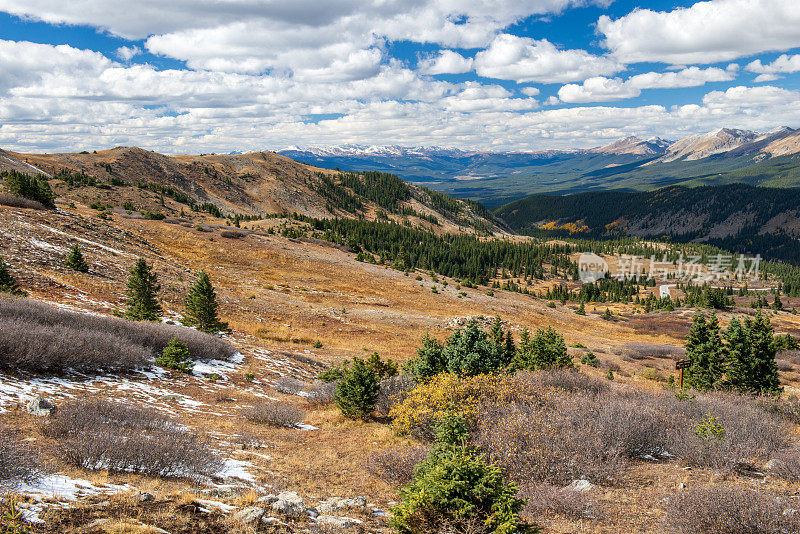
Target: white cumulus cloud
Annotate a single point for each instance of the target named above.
(522, 59)
(706, 32)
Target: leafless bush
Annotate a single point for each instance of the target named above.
(534, 443)
(786, 464)
(96, 434)
(289, 385)
(14, 201)
(564, 501)
(43, 338)
(396, 466)
(784, 365)
(54, 349)
(274, 413)
(393, 391)
(321, 394)
(747, 433)
(18, 463)
(729, 509)
(569, 380)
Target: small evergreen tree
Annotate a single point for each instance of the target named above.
(429, 361)
(8, 283)
(176, 356)
(546, 349)
(581, 309)
(201, 307)
(470, 352)
(143, 291)
(75, 260)
(357, 391)
(455, 490)
(751, 360)
(705, 352)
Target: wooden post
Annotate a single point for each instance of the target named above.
(681, 365)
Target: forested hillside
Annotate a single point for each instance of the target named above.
(735, 217)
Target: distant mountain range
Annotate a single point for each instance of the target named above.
(719, 157)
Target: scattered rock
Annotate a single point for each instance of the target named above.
(789, 512)
(40, 407)
(335, 504)
(581, 485)
(773, 464)
(249, 516)
(146, 497)
(289, 503)
(337, 523)
(268, 499)
(681, 486)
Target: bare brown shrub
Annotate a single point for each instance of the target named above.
(321, 394)
(791, 356)
(786, 464)
(96, 434)
(289, 385)
(729, 509)
(230, 234)
(40, 337)
(748, 434)
(18, 462)
(14, 201)
(563, 501)
(393, 391)
(274, 413)
(569, 380)
(396, 466)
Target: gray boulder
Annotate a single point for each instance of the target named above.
(40, 407)
(337, 523)
(249, 516)
(581, 485)
(289, 503)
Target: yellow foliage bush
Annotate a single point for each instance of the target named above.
(448, 394)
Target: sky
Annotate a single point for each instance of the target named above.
(201, 76)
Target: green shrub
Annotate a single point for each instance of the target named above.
(176, 356)
(8, 284)
(359, 384)
(589, 359)
(455, 490)
(546, 349)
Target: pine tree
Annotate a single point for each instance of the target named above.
(357, 391)
(581, 309)
(143, 291)
(546, 349)
(511, 348)
(7, 282)
(201, 307)
(176, 356)
(752, 349)
(429, 361)
(470, 352)
(76, 261)
(705, 352)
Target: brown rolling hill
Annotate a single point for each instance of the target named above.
(255, 184)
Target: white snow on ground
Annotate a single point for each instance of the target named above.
(45, 245)
(236, 469)
(63, 489)
(304, 426)
(225, 508)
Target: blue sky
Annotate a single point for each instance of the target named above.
(241, 75)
